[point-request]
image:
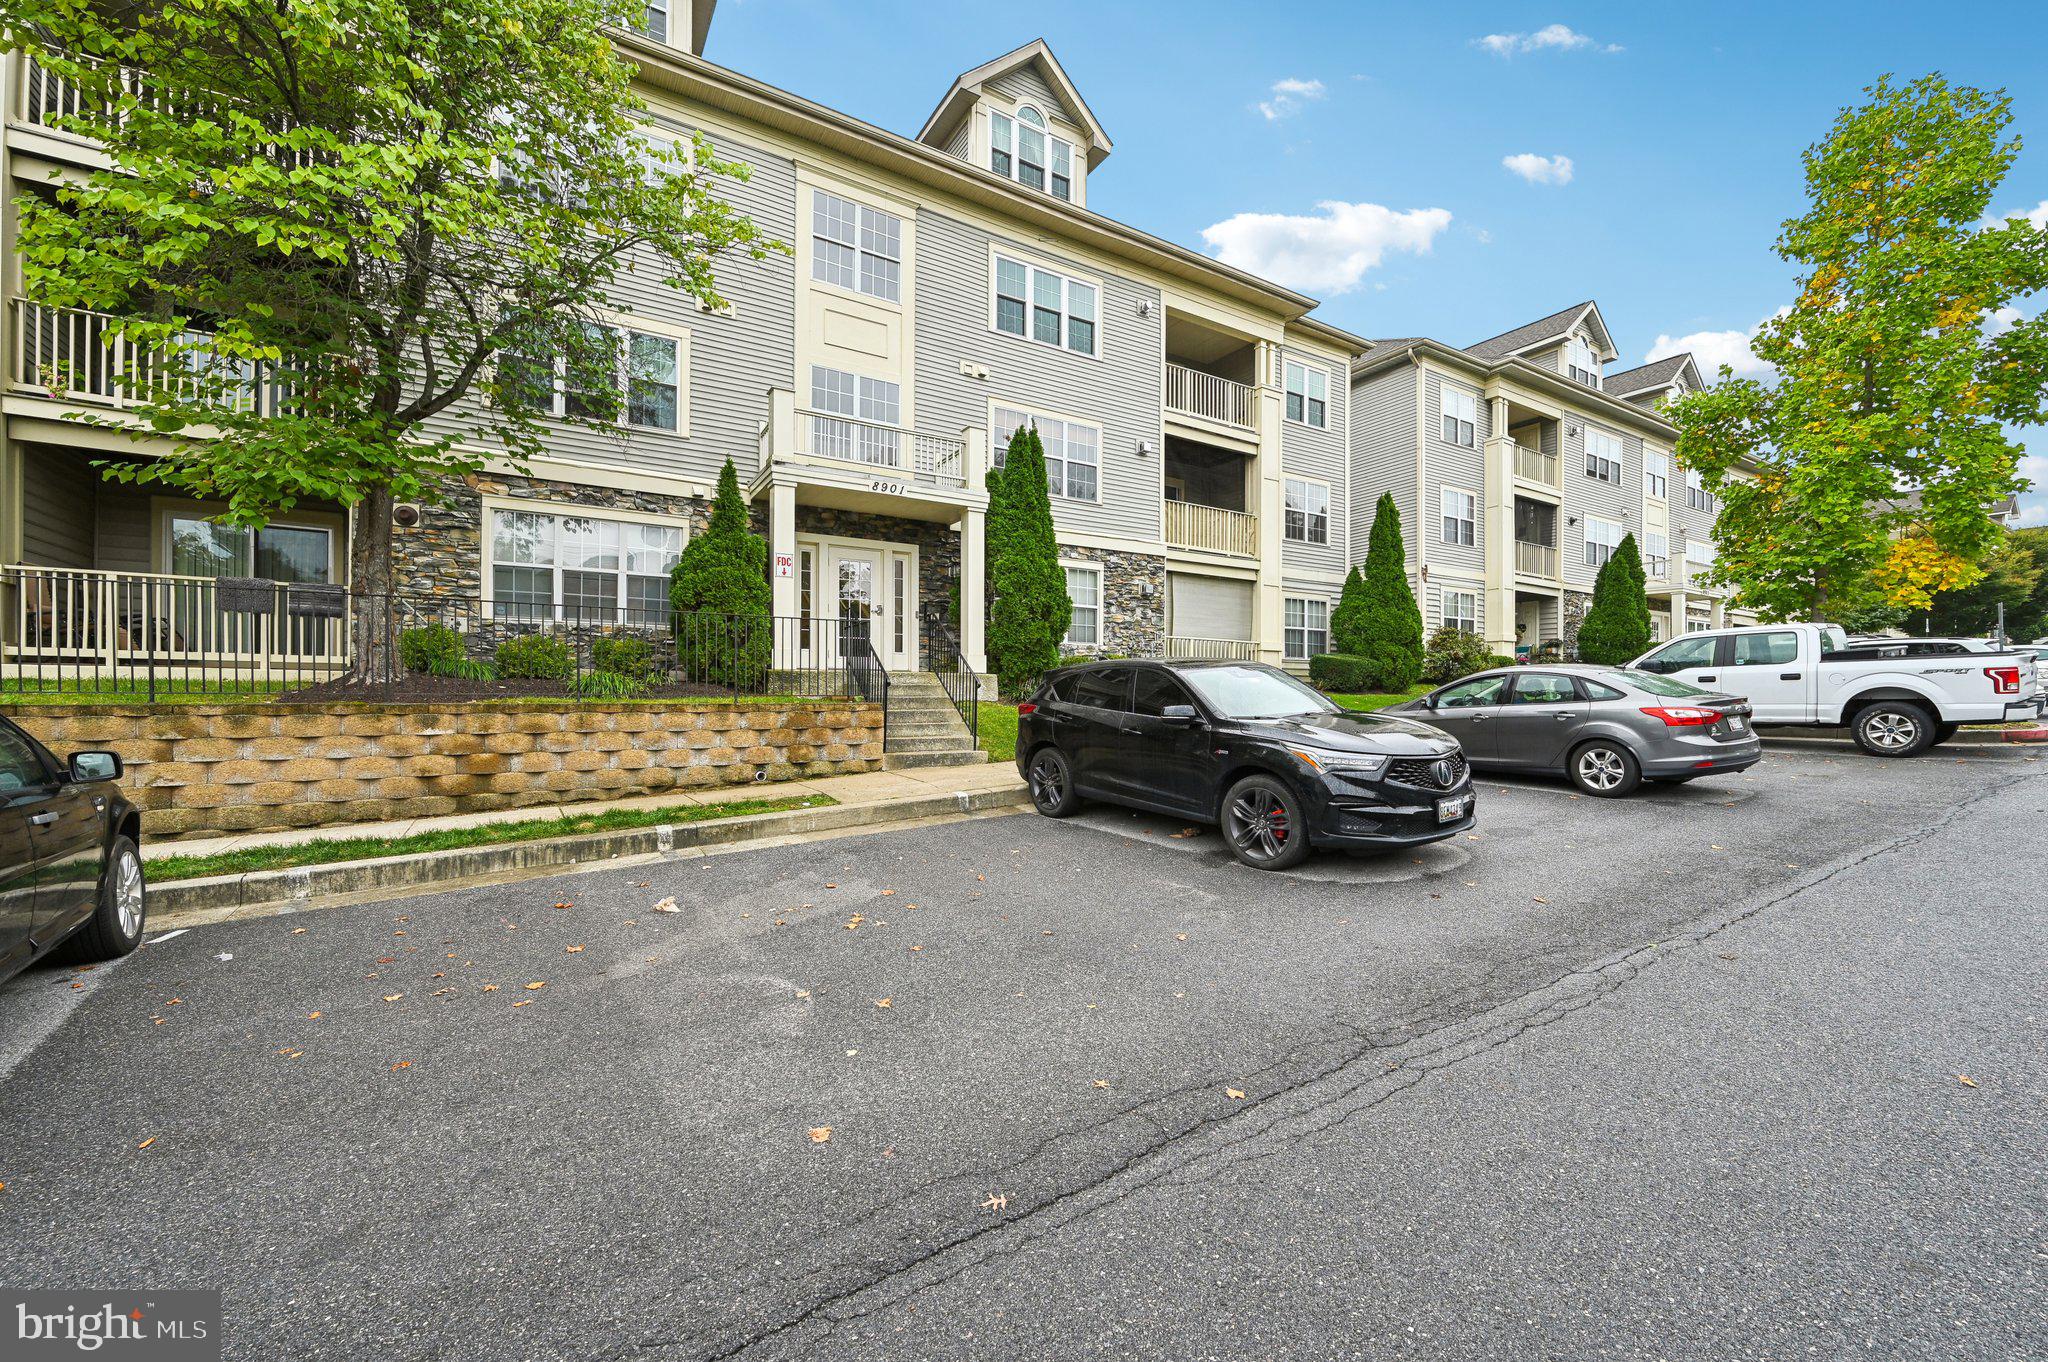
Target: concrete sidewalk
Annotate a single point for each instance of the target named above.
(873, 787)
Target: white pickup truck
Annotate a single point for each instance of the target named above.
(1804, 675)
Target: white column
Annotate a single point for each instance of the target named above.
(787, 602)
(973, 590)
(1497, 531)
(1269, 622)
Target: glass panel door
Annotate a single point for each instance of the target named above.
(855, 577)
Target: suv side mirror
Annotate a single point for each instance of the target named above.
(1179, 714)
(90, 767)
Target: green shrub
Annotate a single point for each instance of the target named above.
(608, 685)
(467, 669)
(534, 657)
(725, 635)
(626, 655)
(1498, 660)
(429, 648)
(1030, 609)
(1343, 673)
(1455, 653)
(1616, 628)
(1385, 624)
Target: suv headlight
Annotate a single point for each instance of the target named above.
(1339, 763)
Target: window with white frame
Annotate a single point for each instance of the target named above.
(1461, 611)
(1084, 589)
(1581, 364)
(854, 417)
(1461, 416)
(644, 389)
(1656, 555)
(1461, 516)
(1603, 455)
(1307, 517)
(1021, 149)
(1656, 473)
(856, 247)
(1699, 552)
(1073, 451)
(1043, 306)
(1603, 537)
(1696, 494)
(1306, 631)
(654, 21)
(582, 568)
(1308, 395)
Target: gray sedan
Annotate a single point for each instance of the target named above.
(1608, 729)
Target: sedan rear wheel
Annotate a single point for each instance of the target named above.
(1605, 770)
(1263, 824)
(1051, 778)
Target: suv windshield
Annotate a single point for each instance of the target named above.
(1669, 686)
(1254, 692)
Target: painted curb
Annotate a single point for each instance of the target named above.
(450, 868)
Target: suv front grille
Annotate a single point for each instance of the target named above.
(1428, 772)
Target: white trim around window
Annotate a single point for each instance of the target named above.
(1305, 518)
(856, 247)
(1459, 609)
(653, 377)
(1460, 515)
(1603, 537)
(1305, 629)
(1022, 147)
(1656, 474)
(1581, 364)
(1460, 416)
(1084, 589)
(1697, 497)
(1073, 449)
(544, 560)
(1042, 305)
(1656, 555)
(1307, 391)
(1603, 455)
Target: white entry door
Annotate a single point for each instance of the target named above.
(872, 591)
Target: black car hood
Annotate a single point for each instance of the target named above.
(1380, 735)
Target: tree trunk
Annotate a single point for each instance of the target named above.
(373, 635)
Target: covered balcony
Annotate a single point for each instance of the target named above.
(1531, 444)
(1535, 539)
(1211, 376)
(1206, 491)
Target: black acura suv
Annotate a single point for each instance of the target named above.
(1279, 766)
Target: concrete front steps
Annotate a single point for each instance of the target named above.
(924, 727)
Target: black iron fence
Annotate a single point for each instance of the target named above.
(943, 657)
(140, 636)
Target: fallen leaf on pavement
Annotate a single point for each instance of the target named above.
(1180, 936)
(393, 997)
(996, 1202)
(667, 905)
(831, 886)
(312, 1016)
(1101, 1082)
(401, 1064)
(523, 1002)
(1966, 1080)
(538, 983)
(1234, 1094)
(571, 950)
(298, 931)
(147, 1143)
(887, 892)
(1543, 901)
(820, 1134)
(490, 988)
(917, 948)
(883, 1002)
(803, 993)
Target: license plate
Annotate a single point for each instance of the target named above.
(1737, 724)
(1451, 810)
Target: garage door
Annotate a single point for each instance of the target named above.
(1208, 607)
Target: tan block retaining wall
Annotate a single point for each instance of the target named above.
(207, 769)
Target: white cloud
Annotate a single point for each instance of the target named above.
(1540, 169)
(1712, 349)
(2003, 320)
(1552, 37)
(1327, 251)
(2038, 214)
(1288, 96)
(2036, 514)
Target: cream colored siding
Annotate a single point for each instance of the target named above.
(1318, 455)
(1382, 452)
(1456, 466)
(1118, 389)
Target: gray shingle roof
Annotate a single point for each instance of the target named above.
(1658, 373)
(1556, 324)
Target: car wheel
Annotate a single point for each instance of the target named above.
(1943, 732)
(1051, 778)
(1605, 770)
(115, 927)
(1262, 822)
(1893, 728)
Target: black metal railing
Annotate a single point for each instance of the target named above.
(92, 635)
(943, 658)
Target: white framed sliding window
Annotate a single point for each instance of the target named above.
(1581, 364)
(1308, 394)
(1306, 628)
(1307, 511)
(1603, 537)
(1044, 306)
(1603, 455)
(1073, 451)
(1656, 555)
(1461, 416)
(548, 563)
(1084, 589)
(1461, 611)
(1021, 148)
(1656, 474)
(645, 389)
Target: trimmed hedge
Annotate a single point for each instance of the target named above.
(1454, 654)
(534, 657)
(1344, 673)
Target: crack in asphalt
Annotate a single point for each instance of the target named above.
(1398, 1065)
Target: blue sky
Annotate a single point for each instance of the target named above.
(1361, 148)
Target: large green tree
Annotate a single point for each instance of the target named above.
(1388, 632)
(2015, 576)
(328, 219)
(1616, 628)
(1898, 365)
(1029, 608)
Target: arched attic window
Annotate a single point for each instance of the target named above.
(1021, 149)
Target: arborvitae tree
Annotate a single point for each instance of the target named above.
(1029, 608)
(1389, 635)
(1347, 621)
(1617, 625)
(724, 633)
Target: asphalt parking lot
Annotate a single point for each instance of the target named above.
(1669, 1077)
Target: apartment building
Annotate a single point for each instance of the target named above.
(1519, 463)
(944, 288)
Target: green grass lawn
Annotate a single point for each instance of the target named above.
(997, 729)
(1381, 701)
(329, 850)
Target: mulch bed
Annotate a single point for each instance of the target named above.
(415, 688)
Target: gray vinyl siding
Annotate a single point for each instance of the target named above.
(124, 531)
(1382, 452)
(734, 359)
(1432, 600)
(961, 143)
(1586, 496)
(57, 518)
(1457, 466)
(1026, 86)
(1301, 588)
(1318, 455)
(1119, 389)
(1552, 359)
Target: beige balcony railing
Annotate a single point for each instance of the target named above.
(1534, 465)
(77, 356)
(931, 458)
(1211, 529)
(1194, 393)
(1211, 649)
(1538, 560)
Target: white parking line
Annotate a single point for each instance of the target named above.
(158, 941)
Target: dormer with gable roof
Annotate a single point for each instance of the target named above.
(1659, 381)
(1020, 117)
(1574, 342)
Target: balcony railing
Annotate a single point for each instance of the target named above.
(1537, 560)
(881, 445)
(1194, 393)
(1211, 649)
(1211, 529)
(1534, 465)
(77, 356)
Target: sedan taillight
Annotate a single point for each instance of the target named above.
(1027, 708)
(2004, 680)
(1683, 716)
